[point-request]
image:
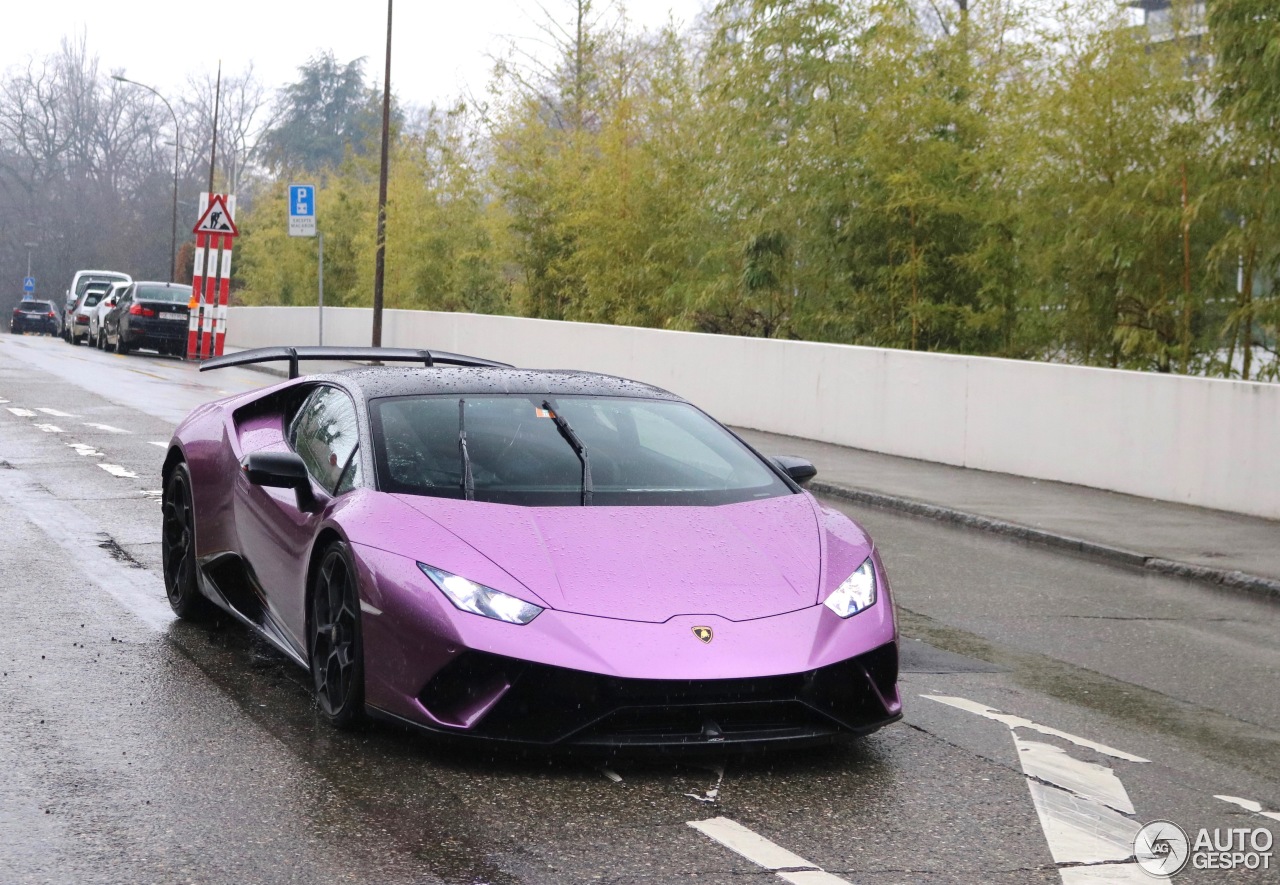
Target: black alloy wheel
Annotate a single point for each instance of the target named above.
(336, 649)
(178, 549)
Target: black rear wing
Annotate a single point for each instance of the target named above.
(428, 358)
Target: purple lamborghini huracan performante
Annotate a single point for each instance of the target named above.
(549, 558)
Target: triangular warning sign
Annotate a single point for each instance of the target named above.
(217, 218)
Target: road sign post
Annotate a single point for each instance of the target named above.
(211, 276)
(302, 223)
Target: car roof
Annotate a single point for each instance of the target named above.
(373, 382)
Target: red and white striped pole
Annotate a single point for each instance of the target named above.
(193, 306)
(224, 292)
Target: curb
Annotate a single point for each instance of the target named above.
(1233, 579)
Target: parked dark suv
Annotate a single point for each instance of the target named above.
(149, 315)
(34, 316)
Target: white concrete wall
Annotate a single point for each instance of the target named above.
(1193, 440)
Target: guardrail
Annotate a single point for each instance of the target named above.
(1201, 441)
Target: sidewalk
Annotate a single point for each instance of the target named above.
(1214, 546)
(1208, 545)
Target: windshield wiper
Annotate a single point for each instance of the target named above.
(468, 483)
(578, 449)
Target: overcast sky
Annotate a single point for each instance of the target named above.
(440, 46)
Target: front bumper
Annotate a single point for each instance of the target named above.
(567, 680)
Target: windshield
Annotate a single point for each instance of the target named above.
(93, 298)
(41, 306)
(163, 293)
(642, 452)
(99, 279)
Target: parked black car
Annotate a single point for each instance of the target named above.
(149, 315)
(34, 316)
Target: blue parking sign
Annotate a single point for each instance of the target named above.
(302, 210)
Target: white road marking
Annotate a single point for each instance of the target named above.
(1019, 722)
(1250, 805)
(117, 470)
(49, 428)
(1082, 806)
(760, 851)
(163, 445)
(3, 401)
(107, 427)
(85, 449)
(153, 494)
(611, 774)
(1085, 779)
(23, 413)
(369, 609)
(55, 413)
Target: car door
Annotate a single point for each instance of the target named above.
(111, 322)
(275, 533)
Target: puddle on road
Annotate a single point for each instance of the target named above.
(1214, 735)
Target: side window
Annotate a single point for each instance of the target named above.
(324, 434)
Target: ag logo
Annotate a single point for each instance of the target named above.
(1161, 848)
(703, 633)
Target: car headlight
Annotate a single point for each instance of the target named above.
(481, 600)
(857, 593)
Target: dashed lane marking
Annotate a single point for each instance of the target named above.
(1019, 722)
(760, 851)
(1082, 806)
(49, 428)
(22, 413)
(107, 427)
(1250, 805)
(163, 445)
(117, 470)
(55, 413)
(86, 450)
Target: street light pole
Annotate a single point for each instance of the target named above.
(177, 147)
(379, 267)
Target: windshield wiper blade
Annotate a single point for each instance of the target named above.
(468, 482)
(578, 449)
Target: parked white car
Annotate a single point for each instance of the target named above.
(97, 313)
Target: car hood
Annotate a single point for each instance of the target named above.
(739, 561)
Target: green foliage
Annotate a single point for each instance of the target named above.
(327, 112)
(986, 179)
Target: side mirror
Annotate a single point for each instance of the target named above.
(798, 469)
(280, 470)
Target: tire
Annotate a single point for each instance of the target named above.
(75, 339)
(335, 646)
(121, 347)
(101, 341)
(178, 549)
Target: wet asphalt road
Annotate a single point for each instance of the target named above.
(135, 748)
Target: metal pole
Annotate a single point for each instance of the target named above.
(379, 267)
(213, 151)
(320, 277)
